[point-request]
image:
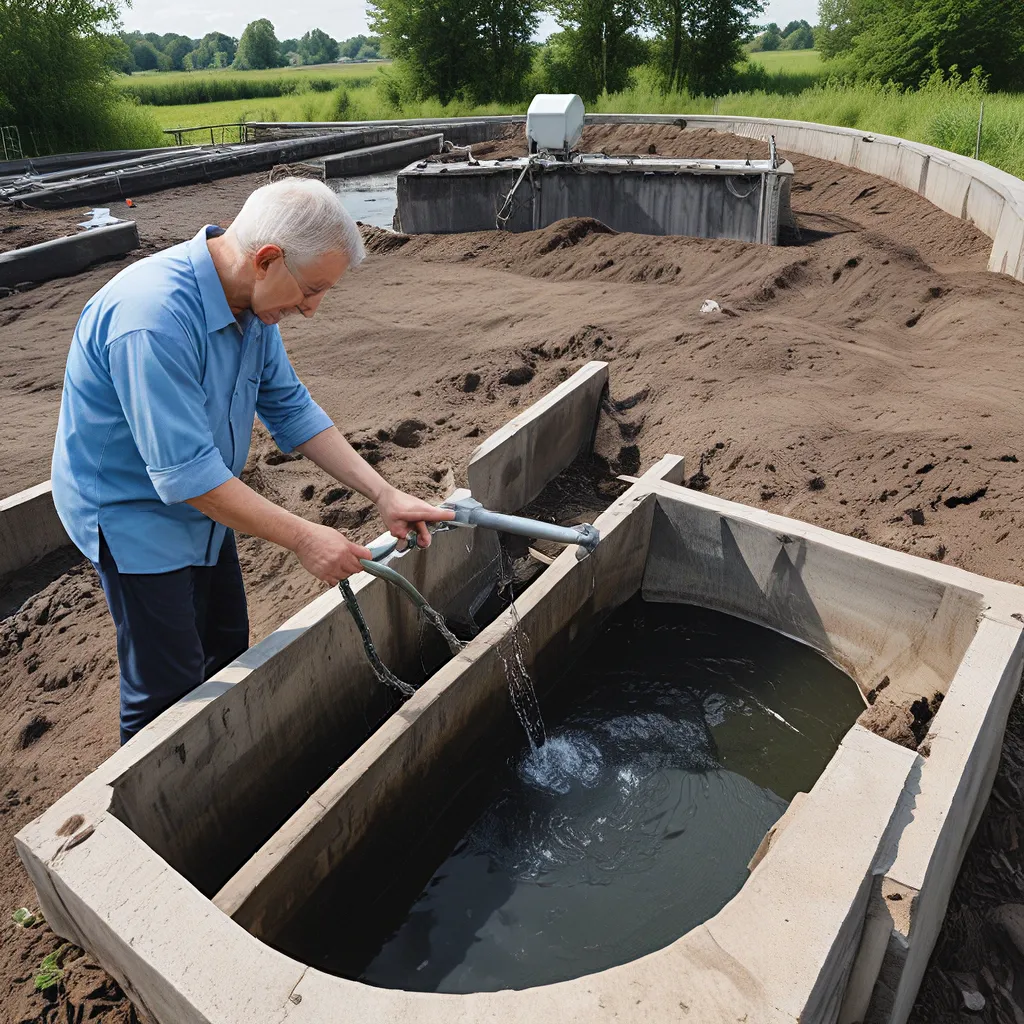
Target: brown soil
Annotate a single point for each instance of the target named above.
(865, 377)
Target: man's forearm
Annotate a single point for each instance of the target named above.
(336, 457)
(239, 507)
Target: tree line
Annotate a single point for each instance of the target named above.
(257, 48)
(483, 50)
(905, 42)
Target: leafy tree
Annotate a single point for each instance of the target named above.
(700, 41)
(360, 47)
(145, 55)
(287, 46)
(176, 48)
(506, 51)
(801, 38)
(258, 47)
(56, 84)
(792, 27)
(205, 53)
(450, 48)
(838, 21)
(120, 55)
(370, 50)
(598, 46)
(317, 47)
(771, 38)
(907, 41)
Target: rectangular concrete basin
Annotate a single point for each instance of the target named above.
(808, 937)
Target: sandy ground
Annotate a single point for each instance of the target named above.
(864, 377)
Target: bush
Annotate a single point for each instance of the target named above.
(56, 85)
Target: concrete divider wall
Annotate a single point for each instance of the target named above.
(385, 157)
(274, 724)
(29, 528)
(61, 257)
(516, 462)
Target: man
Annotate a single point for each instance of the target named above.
(169, 364)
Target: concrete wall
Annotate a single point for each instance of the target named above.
(457, 197)
(62, 257)
(516, 462)
(963, 634)
(29, 528)
(871, 618)
(385, 157)
(249, 745)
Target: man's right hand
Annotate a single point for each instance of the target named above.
(328, 554)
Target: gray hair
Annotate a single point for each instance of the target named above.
(302, 216)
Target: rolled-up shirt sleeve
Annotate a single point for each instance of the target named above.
(284, 404)
(158, 381)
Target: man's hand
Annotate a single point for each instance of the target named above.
(402, 513)
(328, 554)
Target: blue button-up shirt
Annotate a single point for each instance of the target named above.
(161, 388)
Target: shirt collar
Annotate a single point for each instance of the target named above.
(215, 303)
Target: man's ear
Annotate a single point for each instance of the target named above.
(264, 258)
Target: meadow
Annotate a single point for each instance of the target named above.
(791, 84)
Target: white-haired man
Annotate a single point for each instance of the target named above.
(169, 365)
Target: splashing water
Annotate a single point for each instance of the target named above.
(511, 650)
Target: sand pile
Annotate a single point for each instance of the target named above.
(864, 377)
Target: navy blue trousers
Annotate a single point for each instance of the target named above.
(174, 630)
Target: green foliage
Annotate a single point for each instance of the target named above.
(258, 47)
(699, 41)
(598, 46)
(119, 55)
(476, 50)
(317, 47)
(56, 85)
(801, 38)
(215, 87)
(361, 48)
(205, 55)
(51, 971)
(905, 41)
(176, 49)
(836, 27)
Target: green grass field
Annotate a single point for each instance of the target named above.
(791, 61)
(178, 88)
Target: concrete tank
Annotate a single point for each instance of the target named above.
(739, 199)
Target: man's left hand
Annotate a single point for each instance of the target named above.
(402, 513)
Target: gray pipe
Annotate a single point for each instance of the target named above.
(469, 512)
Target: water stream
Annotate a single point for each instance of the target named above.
(672, 745)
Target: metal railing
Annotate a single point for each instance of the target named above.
(238, 127)
(10, 142)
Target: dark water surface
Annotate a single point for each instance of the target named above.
(674, 743)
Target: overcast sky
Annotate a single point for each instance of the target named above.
(339, 18)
